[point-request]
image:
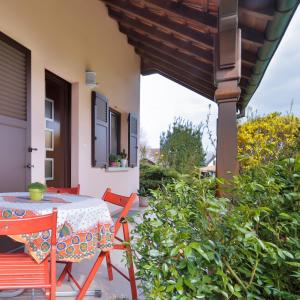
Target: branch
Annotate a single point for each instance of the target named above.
(235, 275)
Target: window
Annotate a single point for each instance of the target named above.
(115, 128)
(106, 133)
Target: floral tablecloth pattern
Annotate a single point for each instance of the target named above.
(84, 224)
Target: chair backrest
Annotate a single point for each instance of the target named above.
(119, 200)
(72, 190)
(30, 225)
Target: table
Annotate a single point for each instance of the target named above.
(84, 224)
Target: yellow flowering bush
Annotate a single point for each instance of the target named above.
(267, 138)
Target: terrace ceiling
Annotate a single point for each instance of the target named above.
(175, 38)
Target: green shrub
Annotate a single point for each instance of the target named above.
(191, 245)
(268, 138)
(153, 177)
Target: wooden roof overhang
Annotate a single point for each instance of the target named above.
(176, 38)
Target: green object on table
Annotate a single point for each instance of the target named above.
(36, 194)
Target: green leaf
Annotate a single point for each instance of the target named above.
(154, 253)
(188, 251)
(147, 267)
(179, 286)
(165, 268)
(198, 248)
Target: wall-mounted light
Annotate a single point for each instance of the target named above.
(90, 79)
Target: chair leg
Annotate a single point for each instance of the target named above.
(48, 294)
(91, 276)
(53, 293)
(130, 262)
(70, 271)
(109, 266)
(63, 274)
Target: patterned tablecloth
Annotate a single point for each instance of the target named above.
(84, 224)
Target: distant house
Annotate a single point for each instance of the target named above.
(153, 155)
(210, 168)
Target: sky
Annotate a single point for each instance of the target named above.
(162, 100)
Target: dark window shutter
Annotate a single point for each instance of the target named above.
(13, 87)
(100, 131)
(132, 140)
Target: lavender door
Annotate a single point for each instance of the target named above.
(15, 159)
(14, 124)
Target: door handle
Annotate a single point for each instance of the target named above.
(29, 166)
(30, 149)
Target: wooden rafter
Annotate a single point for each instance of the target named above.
(149, 67)
(133, 23)
(183, 45)
(181, 73)
(186, 14)
(147, 40)
(162, 21)
(135, 37)
(252, 36)
(205, 78)
(128, 19)
(177, 59)
(190, 72)
(262, 12)
(181, 35)
(183, 11)
(174, 53)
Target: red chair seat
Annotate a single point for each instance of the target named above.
(19, 270)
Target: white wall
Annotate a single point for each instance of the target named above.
(68, 37)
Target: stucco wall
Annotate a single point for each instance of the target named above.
(68, 37)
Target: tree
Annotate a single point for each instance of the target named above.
(268, 138)
(144, 148)
(181, 146)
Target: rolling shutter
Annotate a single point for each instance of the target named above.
(13, 91)
(132, 140)
(100, 131)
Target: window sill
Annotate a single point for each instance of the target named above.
(117, 169)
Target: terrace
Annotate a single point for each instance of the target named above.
(218, 49)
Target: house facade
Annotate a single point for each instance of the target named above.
(54, 127)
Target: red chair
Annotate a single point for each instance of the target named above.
(20, 270)
(126, 203)
(72, 190)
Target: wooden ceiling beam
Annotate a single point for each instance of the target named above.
(179, 74)
(148, 68)
(164, 50)
(187, 47)
(183, 11)
(251, 35)
(162, 21)
(243, 83)
(258, 10)
(180, 71)
(201, 77)
(247, 56)
(133, 24)
(200, 19)
(149, 52)
(135, 37)
(149, 39)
